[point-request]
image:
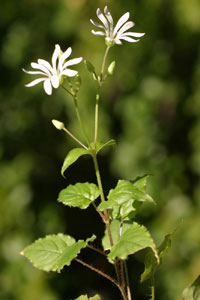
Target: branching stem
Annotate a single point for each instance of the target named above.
(77, 140)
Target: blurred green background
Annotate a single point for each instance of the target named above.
(151, 107)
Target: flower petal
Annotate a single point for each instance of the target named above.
(34, 82)
(109, 17)
(63, 57)
(121, 21)
(98, 32)
(46, 64)
(55, 55)
(128, 39)
(96, 24)
(40, 67)
(73, 61)
(69, 73)
(47, 86)
(125, 27)
(34, 72)
(55, 81)
(134, 34)
(103, 20)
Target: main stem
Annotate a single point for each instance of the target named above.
(100, 81)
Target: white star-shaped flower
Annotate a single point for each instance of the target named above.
(114, 35)
(52, 74)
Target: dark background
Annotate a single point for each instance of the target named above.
(151, 107)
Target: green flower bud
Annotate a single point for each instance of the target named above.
(59, 125)
(111, 68)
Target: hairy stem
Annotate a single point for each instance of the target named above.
(104, 275)
(127, 281)
(97, 250)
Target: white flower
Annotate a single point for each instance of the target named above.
(114, 35)
(52, 74)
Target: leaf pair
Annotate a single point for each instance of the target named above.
(75, 153)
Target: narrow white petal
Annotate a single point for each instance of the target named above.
(45, 64)
(128, 39)
(134, 34)
(117, 41)
(55, 81)
(63, 57)
(121, 21)
(40, 67)
(109, 17)
(103, 20)
(69, 73)
(96, 24)
(98, 32)
(34, 82)
(55, 55)
(72, 62)
(47, 86)
(34, 72)
(125, 27)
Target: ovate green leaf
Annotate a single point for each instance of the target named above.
(79, 195)
(151, 264)
(135, 238)
(72, 156)
(192, 292)
(53, 252)
(117, 229)
(126, 198)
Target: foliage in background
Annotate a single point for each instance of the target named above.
(156, 124)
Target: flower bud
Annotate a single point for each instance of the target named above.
(111, 68)
(59, 125)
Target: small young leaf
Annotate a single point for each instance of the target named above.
(72, 156)
(53, 252)
(85, 297)
(135, 238)
(151, 263)
(126, 198)
(79, 195)
(192, 292)
(101, 145)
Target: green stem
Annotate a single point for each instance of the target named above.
(153, 289)
(100, 80)
(72, 136)
(80, 121)
(78, 114)
(103, 64)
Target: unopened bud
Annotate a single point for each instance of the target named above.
(111, 68)
(59, 125)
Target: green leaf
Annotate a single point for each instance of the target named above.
(79, 195)
(53, 252)
(151, 263)
(85, 297)
(192, 292)
(72, 156)
(126, 198)
(116, 228)
(101, 145)
(135, 238)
